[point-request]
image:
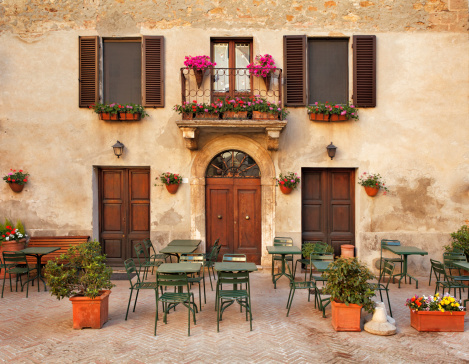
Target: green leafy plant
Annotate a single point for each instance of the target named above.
(460, 239)
(20, 177)
(86, 274)
(116, 108)
(347, 282)
(372, 180)
(289, 179)
(169, 178)
(263, 105)
(316, 247)
(8, 231)
(348, 110)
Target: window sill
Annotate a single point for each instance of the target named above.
(191, 128)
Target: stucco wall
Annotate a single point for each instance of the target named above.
(416, 137)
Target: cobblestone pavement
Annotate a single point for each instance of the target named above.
(38, 329)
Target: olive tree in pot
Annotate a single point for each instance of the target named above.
(347, 283)
(82, 275)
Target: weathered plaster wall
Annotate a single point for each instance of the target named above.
(416, 137)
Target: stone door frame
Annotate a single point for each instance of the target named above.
(197, 184)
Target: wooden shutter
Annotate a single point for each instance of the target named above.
(88, 68)
(364, 70)
(294, 58)
(153, 71)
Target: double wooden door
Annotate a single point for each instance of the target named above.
(328, 206)
(233, 215)
(124, 211)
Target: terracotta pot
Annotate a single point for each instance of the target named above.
(335, 117)
(11, 246)
(267, 80)
(347, 251)
(187, 116)
(319, 117)
(114, 117)
(371, 191)
(437, 321)
(122, 116)
(259, 115)
(137, 116)
(235, 115)
(90, 312)
(15, 187)
(346, 318)
(207, 116)
(285, 190)
(172, 188)
(105, 116)
(199, 77)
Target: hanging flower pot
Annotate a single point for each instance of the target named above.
(15, 187)
(172, 189)
(285, 190)
(267, 80)
(16, 180)
(199, 77)
(371, 191)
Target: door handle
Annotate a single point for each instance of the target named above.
(219, 217)
(247, 217)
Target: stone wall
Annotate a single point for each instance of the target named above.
(416, 137)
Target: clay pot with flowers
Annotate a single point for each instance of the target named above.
(16, 179)
(116, 111)
(12, 238)
(288, 182)
(372, 183)
(199, 65)
(332, 112)
(263, 66)
(171, 181)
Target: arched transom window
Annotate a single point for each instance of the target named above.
(232, 164)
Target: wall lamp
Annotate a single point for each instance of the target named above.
(331, 148)
(118, 149)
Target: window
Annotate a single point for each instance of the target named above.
(133, 71)
(231, 76)
(316, 69)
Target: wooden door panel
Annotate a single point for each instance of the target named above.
(113, 248)
(113, 184)
(340, 218)
(313, 206)
(138, 226)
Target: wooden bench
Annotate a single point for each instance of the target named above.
(64, 242)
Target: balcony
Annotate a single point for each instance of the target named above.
(218, 83)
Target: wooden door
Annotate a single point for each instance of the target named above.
(328, 206)
(233, 215)
(124, 211)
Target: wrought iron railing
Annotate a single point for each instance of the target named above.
(219, 83)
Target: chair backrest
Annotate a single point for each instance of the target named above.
(213, 256)
(192, 258)
(233, 278)
(450, 257)
(387, 269)
(149, 245)
(172, 280)
(390, 242)
(140, 251)
(439, 268)
(13, 258)
(234, 257)
(283, 241)
(130, 268)
(325, 257)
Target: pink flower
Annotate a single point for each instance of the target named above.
(343, 112)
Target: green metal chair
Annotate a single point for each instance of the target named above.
(171, 299)
(386, 270)
(319, 248)
(130, 268)
(14, 262)
(234, 258)
(323, 257)
(144, 261)
(210, 260)
(282, 241)
(200, 278)
(451, 257)
(225, 298)
(154, 256)
(399, 260)
(445, 280)
(437, 278)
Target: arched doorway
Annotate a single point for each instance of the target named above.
(261, 156)
(233, 204)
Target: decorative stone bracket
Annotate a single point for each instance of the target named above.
(191, 128)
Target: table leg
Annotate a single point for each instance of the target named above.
(277, 276)
(404, 274)
(39, 275)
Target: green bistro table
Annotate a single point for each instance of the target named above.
(39, 252)
(320, 265)
(235, 267)
(462, 265)
(176, 250)
(405, 251)
(181, 242)
(283, 251)
(179, 268)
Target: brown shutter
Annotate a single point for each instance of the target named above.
(364, 70)
(153, 71)
(294, 58)
(88, 78)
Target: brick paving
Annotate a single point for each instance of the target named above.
(38, 329)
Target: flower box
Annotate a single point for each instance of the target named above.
(346, 317)
(259, 115)
(452, 321)
(235, 115)
(187, 116)
(207, 116)
(335, 117)
(318, 117)
(127, 116)
(90, 312)
(108, 116)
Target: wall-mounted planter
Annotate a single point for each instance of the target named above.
(207, 116)
(15, 187)
(259, 115)
(318, 117)
(371, 191)
(235, 115)
(285, 190)
(172, 188)
(335, 117)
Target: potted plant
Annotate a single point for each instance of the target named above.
(16, 179)
(435, 313)
(347, 283)
(331, 112)
(287, 182)
(117, 111)
(235, 108)
(263, 66)
(372, 183)
(86, 280)
(11, 238)
(319, 111)
(199, 64)
(460, 240)
(208, 111)
(263, 109)
(187, 109)
(171, 181)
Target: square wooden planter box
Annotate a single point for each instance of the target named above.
(259, 115)
(346, 318)
(437, 321)
(90, 312)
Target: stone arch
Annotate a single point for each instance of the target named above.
(197, 184)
